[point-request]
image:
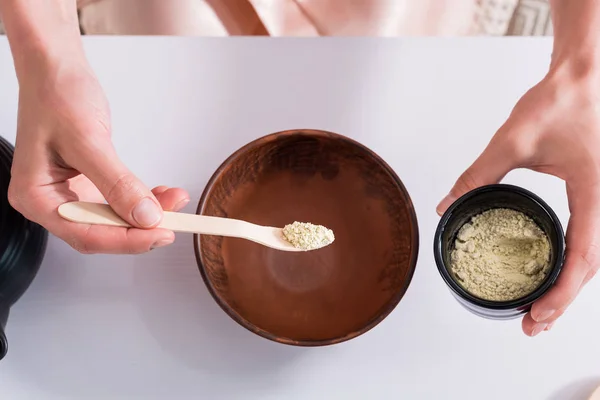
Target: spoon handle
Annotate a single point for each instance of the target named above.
(103, 214)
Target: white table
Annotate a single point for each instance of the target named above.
(110, 327)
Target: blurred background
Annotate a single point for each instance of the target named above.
(315, 17)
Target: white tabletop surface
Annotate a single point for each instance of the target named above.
(122, 327)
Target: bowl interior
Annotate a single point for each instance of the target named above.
(501, 196)
(318, 297)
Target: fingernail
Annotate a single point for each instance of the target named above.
(146, 213)
(445, 203)
(161, 243)
(181, 204)
(549, 326)
(544, 315)
(538, 328)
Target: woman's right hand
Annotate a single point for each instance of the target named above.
(64, 153)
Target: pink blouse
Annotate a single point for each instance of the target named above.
(296, 17)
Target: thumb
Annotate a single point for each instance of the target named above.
(125, 193)
(490, 167)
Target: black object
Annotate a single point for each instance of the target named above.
(22, 247)
(482, 199)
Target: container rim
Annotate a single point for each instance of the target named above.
(500, 305)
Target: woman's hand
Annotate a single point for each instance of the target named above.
(553, 129)
(64, 153)
(64, 150)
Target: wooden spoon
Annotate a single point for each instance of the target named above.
(103, 214)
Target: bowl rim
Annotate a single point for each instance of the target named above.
(500, 305)
(386, 310)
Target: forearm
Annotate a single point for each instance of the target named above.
(41, 32)
(576, 26)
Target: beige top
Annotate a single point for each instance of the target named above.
(296, 17)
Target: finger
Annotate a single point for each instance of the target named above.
(159, 189)
(582, 258)
(497, 160)
(171, 199)
(533, 328)
(126, 194)
(588, 277)
(41, 206)
(93, 239)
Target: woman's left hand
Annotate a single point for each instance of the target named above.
(553, 129)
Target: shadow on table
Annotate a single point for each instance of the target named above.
(199, 349)
(578, 390)
(189, 325)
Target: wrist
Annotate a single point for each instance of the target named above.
(575, 65)
(576, 51)
(574, 78)
(43, 36)
(37, 62)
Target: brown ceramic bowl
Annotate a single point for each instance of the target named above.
(320, 297)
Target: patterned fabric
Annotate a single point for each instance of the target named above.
(494, 16)
(531, 18)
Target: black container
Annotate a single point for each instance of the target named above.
(476, 202)
(22, 247)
